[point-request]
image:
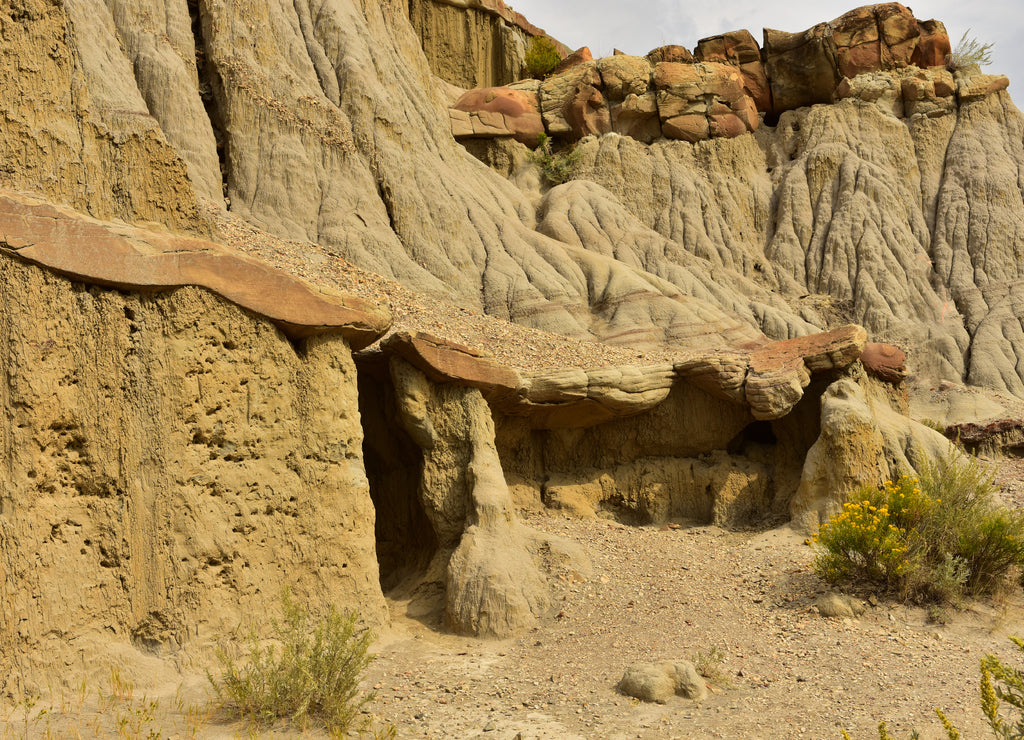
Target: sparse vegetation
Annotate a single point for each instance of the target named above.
(114, 711)
(1003, 684)
(938, 426)
(709, 665)
(312, 676)
(1000, 686)
(556, 167)
(935, 539)
(541, 57)
(968, 51)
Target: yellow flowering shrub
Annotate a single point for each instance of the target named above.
(861, 543)
(935, 538)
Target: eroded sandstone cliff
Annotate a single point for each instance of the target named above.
(179, 448)
(170, 462)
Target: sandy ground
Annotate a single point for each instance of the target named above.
(674, 593)
(655, 593)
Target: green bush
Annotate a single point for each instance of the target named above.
(556, 167)
(541, 57)
(312, 675)
(968, 51)
(935, 538)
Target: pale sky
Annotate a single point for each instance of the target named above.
(637, 26)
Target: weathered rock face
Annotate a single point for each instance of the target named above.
(74, 125)
(704, 100)
(489, 563)
(805, 68)
(177, 456)
(315, 143)
(670, 462)
(182, 453)
(572, 103)
(472, 43)
(741, 50)
(497, 111)
(863, 442)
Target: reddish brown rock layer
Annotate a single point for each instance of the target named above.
(739, 49)
(498, 111)
(136, 259)
(579, 56)
(445, 361)
(884, 361)
(805, 68)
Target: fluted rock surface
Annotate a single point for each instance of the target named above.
(472, 43)
(170, 463)
(324, 124)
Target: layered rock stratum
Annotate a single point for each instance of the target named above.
(285, 308)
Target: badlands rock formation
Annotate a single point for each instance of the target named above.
(186, 426)
(472, 43)
(170, 459)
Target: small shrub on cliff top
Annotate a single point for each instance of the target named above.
(969, 51)
(313, 675)
(541, 57)
(556, 167)
(937, 538)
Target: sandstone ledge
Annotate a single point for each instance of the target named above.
(444, 361)
(769, 378)
(131, 258)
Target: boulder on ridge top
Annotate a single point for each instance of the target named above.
(805, 67)
(702, 101)
(670, 53)
(572, 103)
(739, 49)
(497, 111)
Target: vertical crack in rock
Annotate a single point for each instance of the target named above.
(209, 82)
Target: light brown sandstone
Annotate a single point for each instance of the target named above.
(863, 441)
(490, 37)
(171, 464)
(488, 563)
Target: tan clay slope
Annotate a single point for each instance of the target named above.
(330, 130)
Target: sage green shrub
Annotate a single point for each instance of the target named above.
(541, 57)
(968, 51)
(556, 167)
(312, 675)
(935, 538)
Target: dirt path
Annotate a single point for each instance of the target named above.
(672, 593)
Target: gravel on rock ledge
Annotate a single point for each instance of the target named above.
(525, 349)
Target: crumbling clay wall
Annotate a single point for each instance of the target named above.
(169, 463)
(692, 457)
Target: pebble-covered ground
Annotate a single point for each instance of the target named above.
(663, 593)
